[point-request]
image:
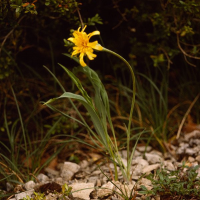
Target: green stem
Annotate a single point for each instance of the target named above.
(133, 98)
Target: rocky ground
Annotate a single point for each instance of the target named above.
(88, 182)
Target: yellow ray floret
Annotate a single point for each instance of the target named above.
(83, 46)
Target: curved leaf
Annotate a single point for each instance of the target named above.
(94, 116)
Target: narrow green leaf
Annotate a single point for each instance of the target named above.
(94, 117)
(78, 84)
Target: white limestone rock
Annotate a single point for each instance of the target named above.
(29, 185)
(106, 190)
(68, 170)
(137, 170)
(124, 161)
(198, 158)
(168, 165)
(190, 151)
(193, 134)
(141, 161)
(82, 190)
(150, 168)
(83, 164)
(181, 149)
(124, 153)
(42, 178)
(66, 175)
(96, 172)
(9, 186)
(138, 165)
(51, 172)
(58, 180)
(156, 152)
(24, 194)
(153, 158)
(191, 159)
(92, 179)
(144, 148)
(73, 167)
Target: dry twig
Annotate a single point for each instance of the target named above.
(185, 116)
(6, 37)
(186, 54)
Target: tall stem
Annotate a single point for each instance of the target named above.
(133, 97)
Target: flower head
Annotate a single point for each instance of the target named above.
(83, 46)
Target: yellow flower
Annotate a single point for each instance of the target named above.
(83, 46)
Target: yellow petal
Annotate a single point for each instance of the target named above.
(95, 45)
(72, 39)
(92, 44)
(98, 47)
(90, 55)
(84, 28)
(75, 52)
(83, 64)
(75, 33)
(93, 33)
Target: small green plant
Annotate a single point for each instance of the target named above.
(37, 196)
(182, 183)
(66, 191)
(26, 198)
